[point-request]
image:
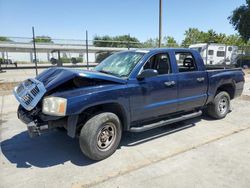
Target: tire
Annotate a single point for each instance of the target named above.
(100, 136)
(220, 106)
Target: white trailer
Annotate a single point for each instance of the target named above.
(216, 54)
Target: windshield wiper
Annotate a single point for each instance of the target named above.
(106, 72)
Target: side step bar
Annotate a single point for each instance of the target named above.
(165, 122)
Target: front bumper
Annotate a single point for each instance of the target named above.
(35, 130)
(36, 122)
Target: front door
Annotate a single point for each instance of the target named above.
(155, 96)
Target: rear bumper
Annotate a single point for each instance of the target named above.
(239, 89)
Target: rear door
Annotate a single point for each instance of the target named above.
(192, 82)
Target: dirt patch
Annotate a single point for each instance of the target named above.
(246, 71)
(8, 86)
(245, 97)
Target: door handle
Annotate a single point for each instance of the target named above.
(170, 83)
(201, 79)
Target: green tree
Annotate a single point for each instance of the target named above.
(240, 19)
(233, 40)
(43, 39)
(192, 36)
(169, 42)
(151, 43)
(128, 41)
(209, 36)
(103, 41)
(124, 41)
(6, 39)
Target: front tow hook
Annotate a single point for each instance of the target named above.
(34, 130)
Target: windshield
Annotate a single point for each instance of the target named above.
(120, 64)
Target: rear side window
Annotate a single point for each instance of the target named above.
(220, 53)
(185, 62)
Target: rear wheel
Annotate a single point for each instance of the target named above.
(220, 106)
(100, 136)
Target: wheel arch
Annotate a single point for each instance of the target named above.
(227, 87)
(113, 107)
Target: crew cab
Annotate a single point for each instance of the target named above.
(134, 90)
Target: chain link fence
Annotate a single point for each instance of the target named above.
(18, 52)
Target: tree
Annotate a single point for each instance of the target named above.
(5, 39)
(240, 19)
(210, 36)
(123, 41)
(104, 41)
(192, 36)
(43, 39)
(128, 41)
(233, 40)
(151, 43)
(167, 41)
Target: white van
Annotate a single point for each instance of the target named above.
(214, 54)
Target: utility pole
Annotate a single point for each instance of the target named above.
(34, 48)
(87, 49)
(128, 41)
(160, 22)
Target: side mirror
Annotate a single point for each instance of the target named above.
(147, 73)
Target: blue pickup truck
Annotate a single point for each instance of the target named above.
(134, 90)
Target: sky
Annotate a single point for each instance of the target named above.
(68, 19)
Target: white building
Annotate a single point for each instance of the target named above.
(23, 52)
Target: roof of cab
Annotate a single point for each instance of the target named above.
(153, 50)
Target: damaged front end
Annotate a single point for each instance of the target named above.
(29, 93)
(36, 121)
(43, 100)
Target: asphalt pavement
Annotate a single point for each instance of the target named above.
(200, 152)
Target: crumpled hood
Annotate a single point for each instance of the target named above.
(53, 77)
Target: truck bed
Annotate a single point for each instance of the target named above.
(219, 67)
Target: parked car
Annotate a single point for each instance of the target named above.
(53, 61)
(133, 91)
(6, 61)
(243, 61)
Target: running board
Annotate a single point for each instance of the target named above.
(165, 122)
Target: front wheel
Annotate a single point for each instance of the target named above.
(220, 106)
(100, 136)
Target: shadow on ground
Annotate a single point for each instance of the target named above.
(56, 147)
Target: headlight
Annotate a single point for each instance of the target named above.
(54, 106)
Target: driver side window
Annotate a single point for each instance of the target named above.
(159, 62)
